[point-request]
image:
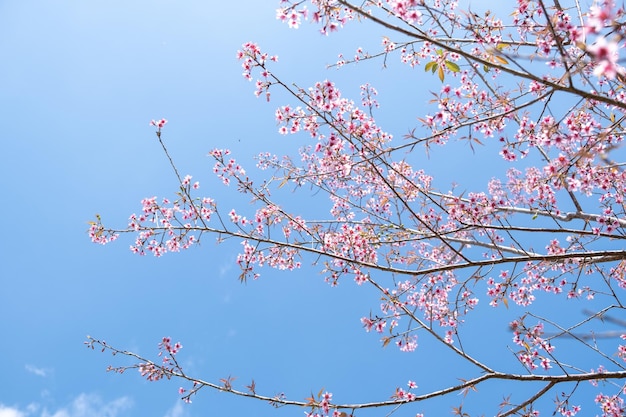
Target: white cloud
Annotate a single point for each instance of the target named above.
(10, 412)
(85, 405)
(90, 405)
(37, 371)
(31, 408)
(6, 411)
(177, 411)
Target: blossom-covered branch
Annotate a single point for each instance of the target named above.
(540, 89)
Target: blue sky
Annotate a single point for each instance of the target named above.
(80, 83)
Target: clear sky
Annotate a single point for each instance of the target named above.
(80, 81)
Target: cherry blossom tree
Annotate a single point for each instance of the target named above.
(538, 84)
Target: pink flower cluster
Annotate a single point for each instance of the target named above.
(292, 16)
(166, 346)
(611, 405)
(405, 395)
(530, 338)
(225, 169)
(275, 256)
(328, 13)
(569, 411)
(158, 123)
(605, 52)
(167, 227)
(407, 10)
(98, 234)
(167, 351)
(606, 55)
(322, 405)
(252, 58)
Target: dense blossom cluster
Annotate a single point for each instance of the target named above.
(611, 406)
(329, 14)
(543, 88)
(168, 366)
(252, 58)
(533, 343)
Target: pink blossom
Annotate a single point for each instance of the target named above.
(158, 123)
(606, 57)
(599, 16)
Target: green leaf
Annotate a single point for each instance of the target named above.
(441, 74)
(430, 65)
(452, 66)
